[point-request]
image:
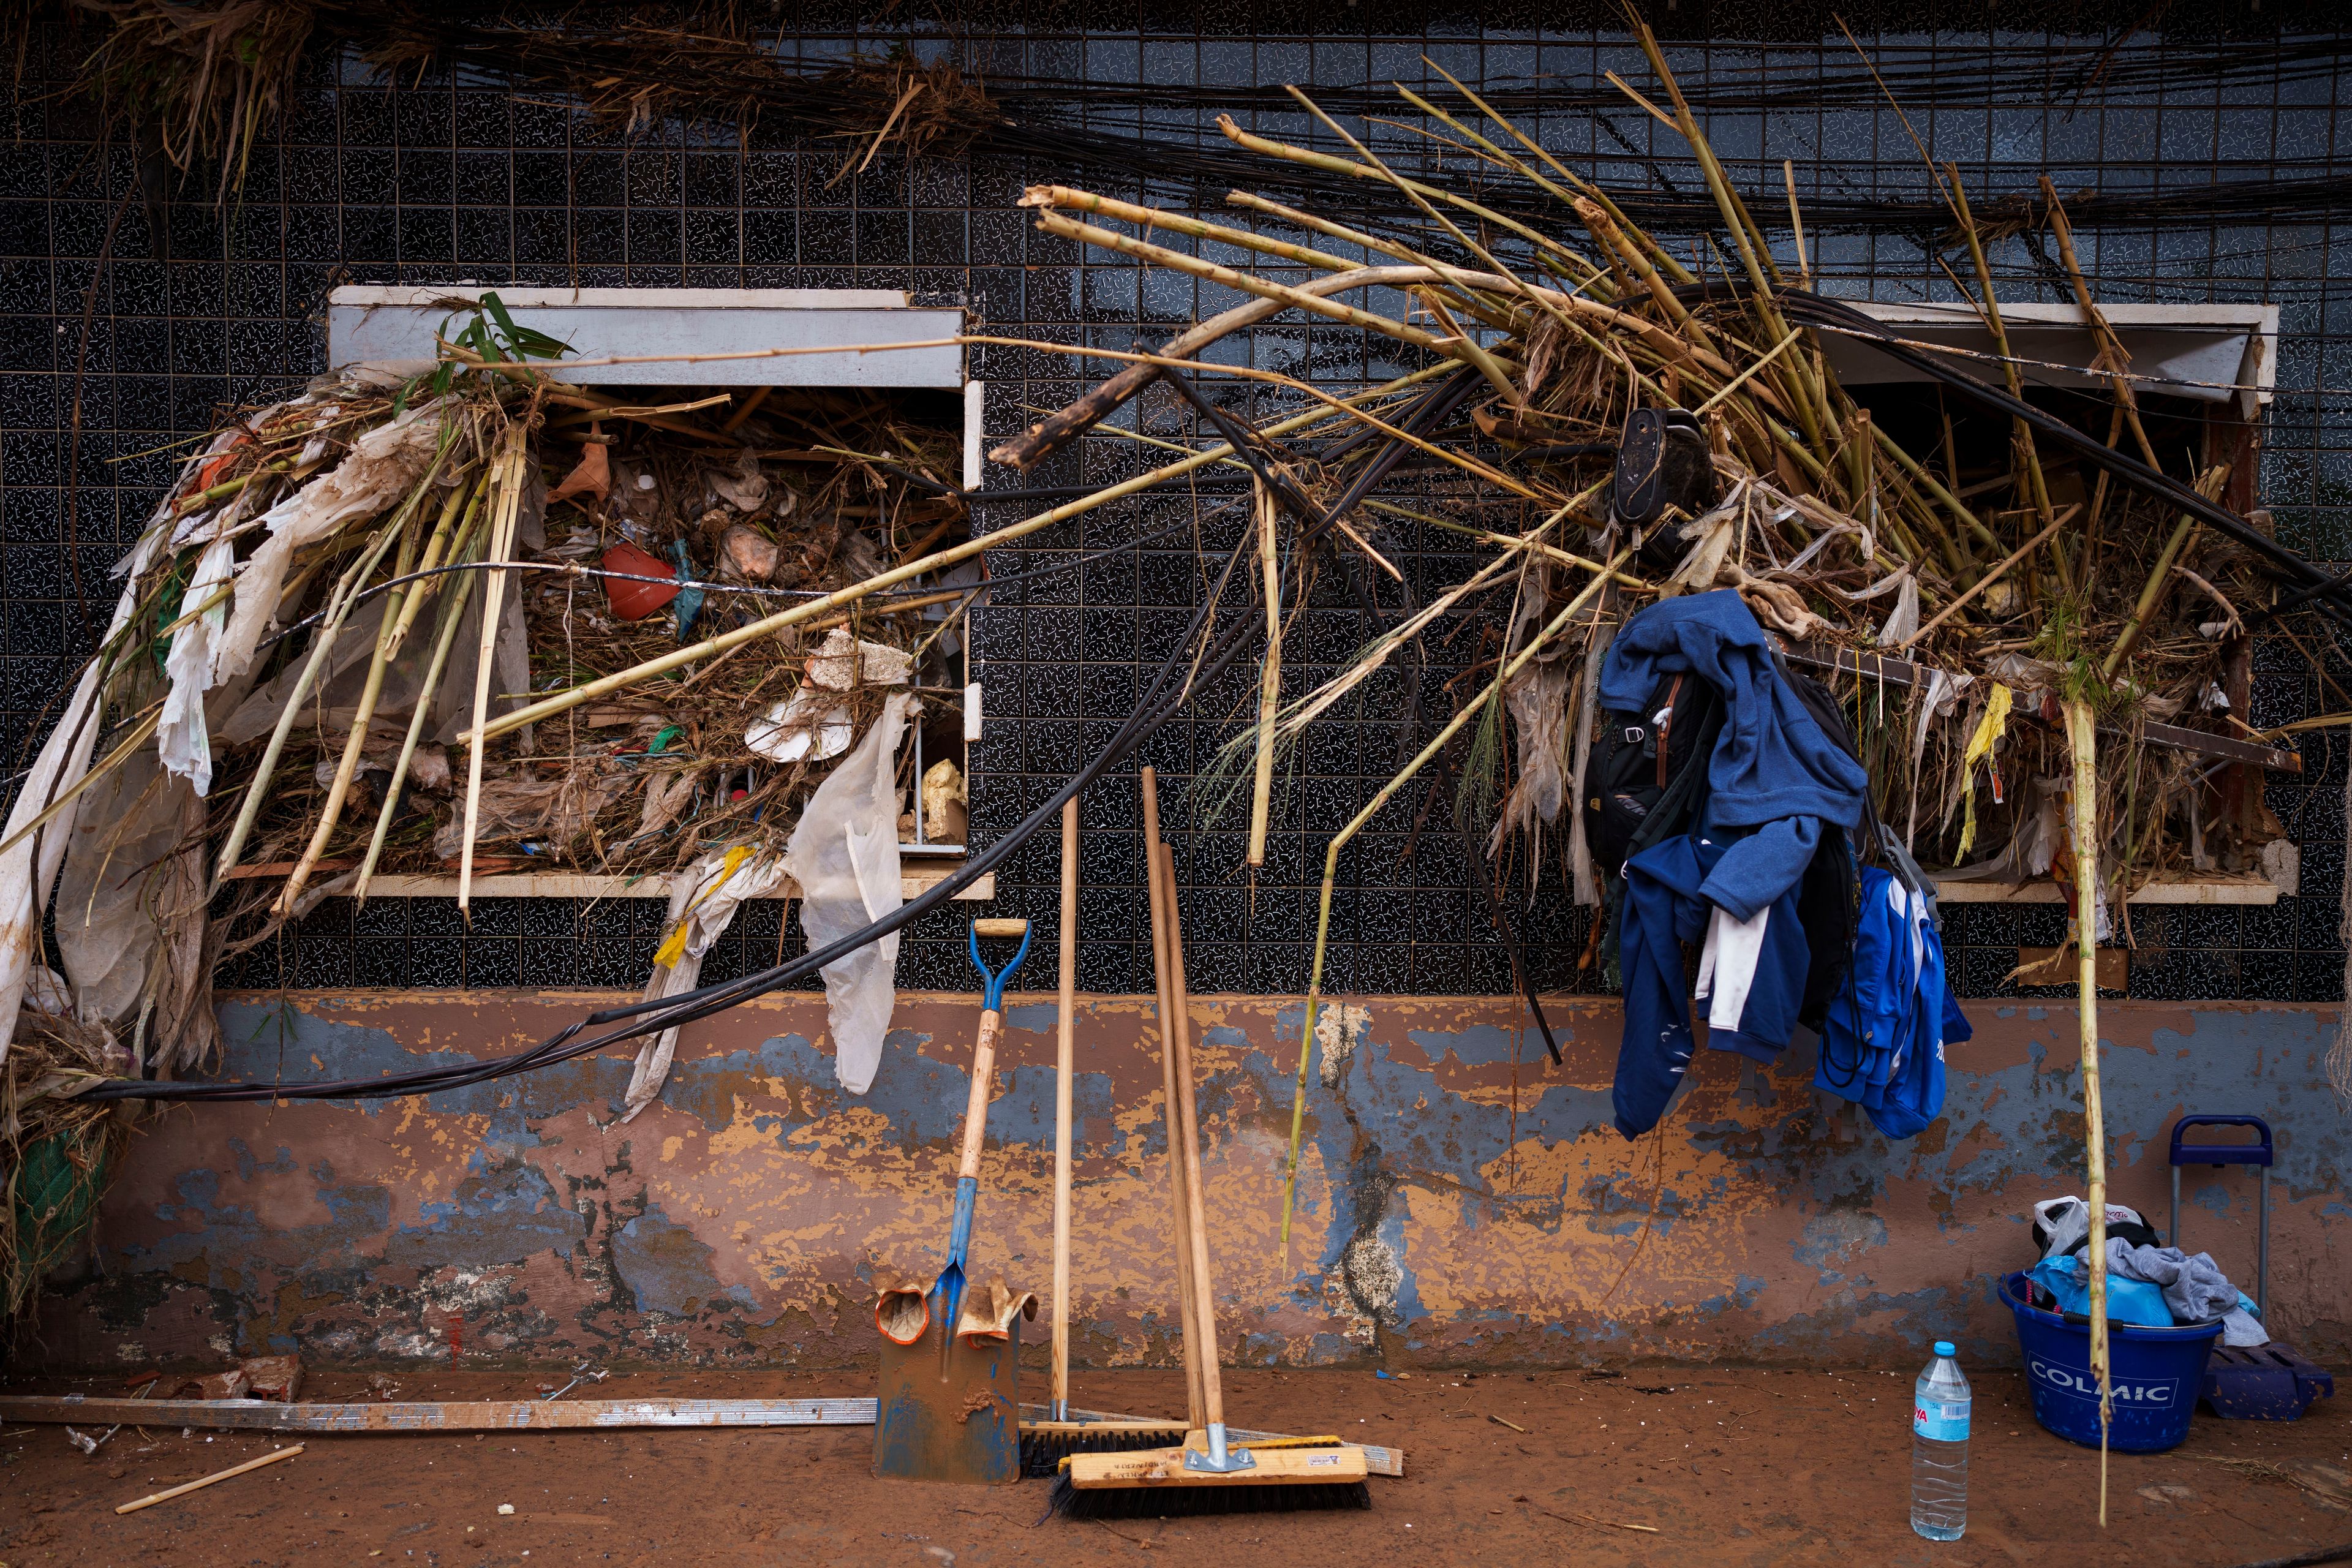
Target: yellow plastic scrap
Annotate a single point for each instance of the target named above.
(674, 947)
(1990, 729)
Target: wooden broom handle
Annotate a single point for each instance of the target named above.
(1204, 1301)
(1180, 1218)
(983, 1074)
(1065, 1055)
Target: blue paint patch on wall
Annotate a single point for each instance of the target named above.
(500, 1215)
(667, 1266)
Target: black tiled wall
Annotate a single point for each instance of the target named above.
(434, 179)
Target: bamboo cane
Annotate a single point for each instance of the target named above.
(842, 598)
(1803, 390)
(2151, 593)
(1666, 262)
(1355, 825)
(1543, 243)
(2081, 739)
(507, 490)
(1470, 348)
(2038, 489)
(1244, 282)
(2110, 345)
(1269, 689)
(339, 606)
(453, 614)
(1066, 197)
(400, 610)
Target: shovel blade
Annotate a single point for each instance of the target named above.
(960, 1423)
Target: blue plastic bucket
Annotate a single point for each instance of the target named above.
(2153, 1379)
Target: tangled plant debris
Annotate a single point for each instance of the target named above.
(342, 587)
(520, 623)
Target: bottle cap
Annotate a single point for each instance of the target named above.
(1946, 1347)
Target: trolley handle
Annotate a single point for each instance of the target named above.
(2259, 1153)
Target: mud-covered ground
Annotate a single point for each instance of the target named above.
(1727, 1465)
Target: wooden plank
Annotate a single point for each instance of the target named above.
(577, 885)
(437, 1416)
(2275, 758)
(2216, 889)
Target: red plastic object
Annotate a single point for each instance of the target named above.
(635, 601)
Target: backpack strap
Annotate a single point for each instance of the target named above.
(1664, 720)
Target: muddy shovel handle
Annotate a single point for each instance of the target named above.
(983, 1073)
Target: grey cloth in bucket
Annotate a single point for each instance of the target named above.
(2194, 1287)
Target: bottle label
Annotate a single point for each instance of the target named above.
(1939, 1421)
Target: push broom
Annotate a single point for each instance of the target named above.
(1208, 1473)
(1045, 1444)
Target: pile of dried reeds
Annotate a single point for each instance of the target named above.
(2087, 572)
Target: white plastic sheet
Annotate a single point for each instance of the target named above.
(844, 855)
(127, 825)
(379, 469)
(707, 903)
(182, 740)
(29, 867)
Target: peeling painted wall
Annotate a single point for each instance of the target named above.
(1460, 1198)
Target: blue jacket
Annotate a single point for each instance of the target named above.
(1664, 907)
(1773, 770)
(1883, 1042)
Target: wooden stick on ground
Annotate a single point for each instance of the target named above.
(2080, 740)
(168, 1493)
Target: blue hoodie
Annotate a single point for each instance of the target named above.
(1773, 769)
(1883, 1042)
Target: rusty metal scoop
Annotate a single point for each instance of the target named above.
(949, 1408)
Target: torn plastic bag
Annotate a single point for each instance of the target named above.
(28, 868)
(335, 698)
(182, 737)
(378, 470)
(844, 855)
(701, 908)
(127, 823)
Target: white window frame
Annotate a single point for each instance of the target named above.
(396, 325)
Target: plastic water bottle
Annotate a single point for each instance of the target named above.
(1939, 1448)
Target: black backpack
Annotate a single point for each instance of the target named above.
(1645, 772)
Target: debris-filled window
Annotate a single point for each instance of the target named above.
(420, 627)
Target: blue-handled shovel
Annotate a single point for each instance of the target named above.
(946, 1295)
(951, 1412)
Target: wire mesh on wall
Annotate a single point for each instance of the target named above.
(131, 317)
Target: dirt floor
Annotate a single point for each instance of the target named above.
(1726, 1465)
